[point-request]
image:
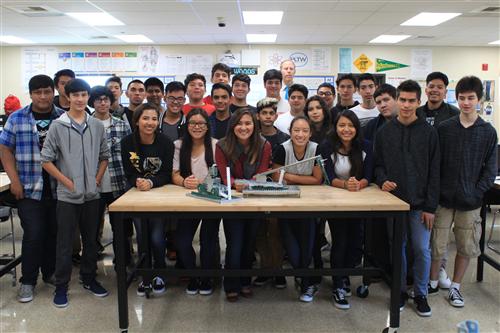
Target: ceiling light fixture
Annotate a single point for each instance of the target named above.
(262, 17)
(426, 19)
(134, 38)
(96, 19)
(389, 39)
(15, 40)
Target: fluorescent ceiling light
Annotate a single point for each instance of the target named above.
(497, 42)
(430, 19)
(15, 40)
(389, 39)
(261, 38)
(262, 17)
(96, 19)
(134, 38)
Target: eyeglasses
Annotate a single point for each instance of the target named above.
(325, 93)
(199, 124)
(178, 100)
(103, 99)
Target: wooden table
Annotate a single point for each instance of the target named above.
(492, 197)
(4, 182)
(315, 201)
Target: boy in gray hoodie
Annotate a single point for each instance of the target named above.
(76, 153)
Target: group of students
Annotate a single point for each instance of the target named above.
(67, 167)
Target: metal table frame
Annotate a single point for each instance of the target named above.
(144, 264)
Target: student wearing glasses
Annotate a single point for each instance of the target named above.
(194, 155)
(172, 120)
(327, 93)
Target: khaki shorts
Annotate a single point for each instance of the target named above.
(467, 230)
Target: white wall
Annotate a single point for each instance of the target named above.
(454, 61)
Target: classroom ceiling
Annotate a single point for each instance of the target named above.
(304, 22)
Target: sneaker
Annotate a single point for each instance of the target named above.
(308, 295)
(422, 307)
(61, 297)
(347, 291)
(455, 298)
(339, 299)
(261, 280)
(141, 289)
(432, 291)
(206, 288)
(280, 282)
(444, 280)
(402, 300)
(96, 288)
(158, 286)
(193, 287)
(25, 293)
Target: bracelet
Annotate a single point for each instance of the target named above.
(345, 184)
(184, 182)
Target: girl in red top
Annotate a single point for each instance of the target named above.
(247, 153)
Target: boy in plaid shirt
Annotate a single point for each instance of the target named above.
(20, 144)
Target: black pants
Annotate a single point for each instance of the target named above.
(38, 220)
(106, 200)
(240, 250)
(86, 216)
(346, 237)
(209, 231)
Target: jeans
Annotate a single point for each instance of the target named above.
(39, 223)
(420, 242)
(106, 200)
(298, 238)
(69, 216)
(186, 229)
(346, 239)
(240, 247)
(155, 230)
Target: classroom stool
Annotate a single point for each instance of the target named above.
(489, 243)
(5, 214)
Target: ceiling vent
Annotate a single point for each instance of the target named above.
(35, 11)
(490, 11)
(99, 37)
(424, 37)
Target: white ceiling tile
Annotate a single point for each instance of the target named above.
(304, 22)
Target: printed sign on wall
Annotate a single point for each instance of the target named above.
(363, 63)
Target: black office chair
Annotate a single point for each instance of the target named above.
(5, 214)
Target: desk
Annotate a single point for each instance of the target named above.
(4, 182)
(492, 197)
(315, 201)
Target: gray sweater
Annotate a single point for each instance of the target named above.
(77, 156)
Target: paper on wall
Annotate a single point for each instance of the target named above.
(421, 63)
(149, 57)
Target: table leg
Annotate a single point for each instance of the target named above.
(121, 272)
(397, 243)
(480, 260)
